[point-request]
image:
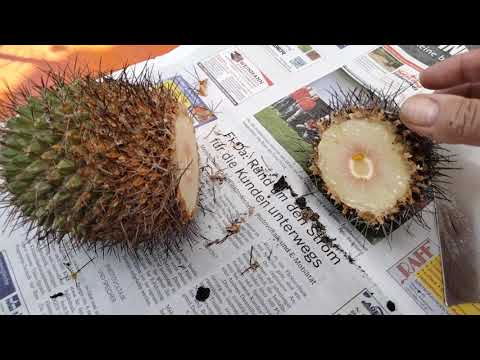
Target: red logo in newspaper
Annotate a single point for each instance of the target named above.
(269, 82)
(410, 78)
(413, 262)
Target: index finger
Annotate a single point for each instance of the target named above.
(457, 70)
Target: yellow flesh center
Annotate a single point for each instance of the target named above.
(363, 165)
(187, 161)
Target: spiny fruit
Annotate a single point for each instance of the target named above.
(377, 172)
(100, 160)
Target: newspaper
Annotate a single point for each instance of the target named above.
(394, 66)
(297, 57)
(276, 263)
(235, 75)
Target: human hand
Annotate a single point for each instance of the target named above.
(451, 114)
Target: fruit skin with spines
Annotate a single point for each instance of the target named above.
(93, 159)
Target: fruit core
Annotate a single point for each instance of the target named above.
(361, 167)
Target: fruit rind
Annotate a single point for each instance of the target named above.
(97, 161)
(426, 162)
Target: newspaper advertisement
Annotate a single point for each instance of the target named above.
(297, 57)
(235, 74)
(256, 250)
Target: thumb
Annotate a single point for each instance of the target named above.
(444, 118)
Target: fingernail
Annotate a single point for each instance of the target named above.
(419, 110)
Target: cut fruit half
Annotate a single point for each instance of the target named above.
(365, 165)
(371, 167)
(187, 165)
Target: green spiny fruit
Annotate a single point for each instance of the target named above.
(101, 160)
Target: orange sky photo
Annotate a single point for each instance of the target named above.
(20, 63)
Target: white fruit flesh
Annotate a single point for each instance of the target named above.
(363, 166)
(187, 161)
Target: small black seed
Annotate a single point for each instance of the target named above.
(54, 296)
(301, 202)
(390, 305)
(202, 293)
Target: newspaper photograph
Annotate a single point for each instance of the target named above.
(191, 97)
(398, 66)
(297, 57)
(266, 239)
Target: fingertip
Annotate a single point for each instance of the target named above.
(419, 110)
(425, 78)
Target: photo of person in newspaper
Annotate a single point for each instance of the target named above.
(292, 119)
(300, 110)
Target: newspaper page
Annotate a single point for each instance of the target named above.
(297, 57)
(406, 266)
(398, 66)
(280, 259)
(419, 270)
(275, 264)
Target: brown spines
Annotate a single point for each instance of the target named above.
(130, 140)
(110, 162)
